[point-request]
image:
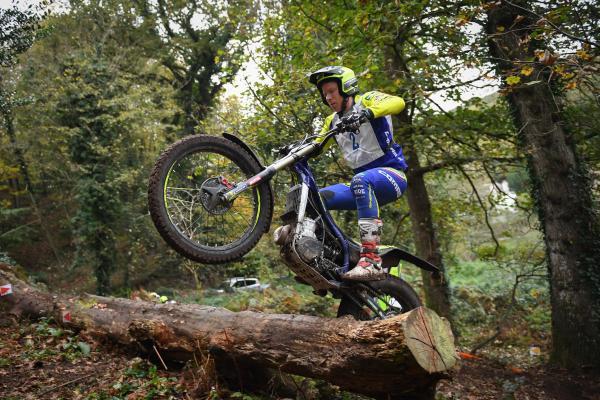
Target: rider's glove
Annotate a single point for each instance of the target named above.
(354, 120)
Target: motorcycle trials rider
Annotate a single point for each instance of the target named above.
(368, 146)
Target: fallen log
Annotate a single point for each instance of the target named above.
(398, 358)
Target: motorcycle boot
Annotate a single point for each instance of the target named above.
(369, 265)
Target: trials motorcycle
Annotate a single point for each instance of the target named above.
(211, 200)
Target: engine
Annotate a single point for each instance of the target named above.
(304, 243)
(301, 249)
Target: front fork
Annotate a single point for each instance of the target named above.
(267, 173)
(304, 192)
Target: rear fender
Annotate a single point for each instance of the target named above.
(392, 257)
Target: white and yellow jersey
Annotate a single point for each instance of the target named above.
(374, 145)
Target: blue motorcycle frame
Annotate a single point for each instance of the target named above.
(297, 159)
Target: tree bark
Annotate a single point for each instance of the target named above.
(561, 189)
(435, 286)
(397, 358)
(437, 291)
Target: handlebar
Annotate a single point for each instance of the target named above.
(339, 128)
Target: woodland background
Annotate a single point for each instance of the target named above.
(503, 190)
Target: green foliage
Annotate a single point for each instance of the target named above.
(483, 299)
(200, 57)
(283, 297)
(17, 32)
(90, 113)
(140, 379)
(5, 259)
(518, 180)
(43, 341)
(111, 122)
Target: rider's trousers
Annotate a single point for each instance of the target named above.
(366, 192)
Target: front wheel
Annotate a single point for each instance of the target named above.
(187, 209)
(379, 299)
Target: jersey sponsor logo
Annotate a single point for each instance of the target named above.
(377, 96)
(392, 181)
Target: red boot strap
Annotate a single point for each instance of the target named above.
(369, 247)
(366, 262)
(369, 258)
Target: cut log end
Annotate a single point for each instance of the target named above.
(430, 340)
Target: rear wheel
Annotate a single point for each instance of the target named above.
(187, 209)
(379, 299)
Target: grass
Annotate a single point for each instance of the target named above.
(482, 300)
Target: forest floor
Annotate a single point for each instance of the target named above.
(40, 360)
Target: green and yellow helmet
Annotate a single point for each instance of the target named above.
(347, 82)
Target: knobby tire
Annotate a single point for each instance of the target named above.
(157, 198)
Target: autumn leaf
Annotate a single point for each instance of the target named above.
(513, 80)
(526, 71)
(461, 20)
(583, 55)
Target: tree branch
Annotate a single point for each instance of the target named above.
(312, 18)
(485, 211)
(513, 301)
(399, 224)
(164, 19)
(461, 161)
(499, 189)
(553, 25)
(269, 110)
(187, 25)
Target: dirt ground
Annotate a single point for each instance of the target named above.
(486, 379)
(40, 360)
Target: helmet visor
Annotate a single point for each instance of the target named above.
(329, 72)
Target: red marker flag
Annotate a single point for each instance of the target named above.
(5, 289)
(66, 316)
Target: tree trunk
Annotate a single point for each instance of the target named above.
(561, 190)
(397, 358)
(437, 292)
(436, 287)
